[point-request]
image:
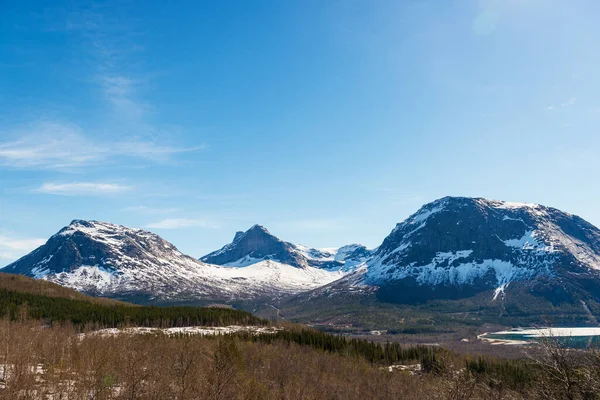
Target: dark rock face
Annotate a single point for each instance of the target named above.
(92, 243)
(259, 244)
(456, 247)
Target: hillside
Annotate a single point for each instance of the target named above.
(24, 284)
(22, 297)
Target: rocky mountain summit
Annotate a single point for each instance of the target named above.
(257, 244)
(458, 246)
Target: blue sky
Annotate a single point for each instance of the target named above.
(327, 122)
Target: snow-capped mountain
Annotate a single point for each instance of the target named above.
(113, 260)
(257, 244)
(454, 247)
(457, 246)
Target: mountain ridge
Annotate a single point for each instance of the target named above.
(108, 259)
(451, 248)
(258, 244)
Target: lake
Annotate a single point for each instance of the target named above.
(574, 337)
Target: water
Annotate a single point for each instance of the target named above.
(573, 337)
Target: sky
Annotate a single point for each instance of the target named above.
(325, 121)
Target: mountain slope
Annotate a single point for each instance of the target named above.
(257, 244)
(112, 260)
(457, 247)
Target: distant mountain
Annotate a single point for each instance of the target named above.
(257, 244)
(514, 258)
(456, 247)
(113, 260)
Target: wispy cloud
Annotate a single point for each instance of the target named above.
(149, 210)
(568, 103)
(12, 248)
(111, 45)
(121, 91)
(82, 188)
(51, 145)
(176, 223)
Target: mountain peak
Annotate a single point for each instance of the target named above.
(455, 242)
(254, 245)
(257, 244)
(257, 226)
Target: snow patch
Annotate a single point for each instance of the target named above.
(187, 330)
(528, 242)
(84, 277)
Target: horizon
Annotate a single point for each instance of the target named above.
(326, 123)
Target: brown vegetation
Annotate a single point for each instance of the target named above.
(59, 363)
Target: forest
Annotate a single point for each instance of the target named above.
(49, 349)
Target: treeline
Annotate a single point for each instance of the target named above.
(516, 374)
(388, 353)
(81, 313)
(25, 284)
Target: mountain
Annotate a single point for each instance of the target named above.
(457, 247)
(257, 244)
(106, 259)
(452, 255)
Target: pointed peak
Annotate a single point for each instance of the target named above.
(258, 228)
(81, 222)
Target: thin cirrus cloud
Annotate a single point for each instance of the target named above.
(82, 188)
(112, 44)
(13, 248)
(176, 223)
(568, 103)
(50, 145)
(120, 92)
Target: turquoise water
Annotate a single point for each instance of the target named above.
(568, 337)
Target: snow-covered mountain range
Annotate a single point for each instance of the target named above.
(113, 260)
(453, 247)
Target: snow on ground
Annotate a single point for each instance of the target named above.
(244, 262)
(197, 276)
(95, 276)
(188, 330)
(272, 273)
(554, 332)
(326, 254)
